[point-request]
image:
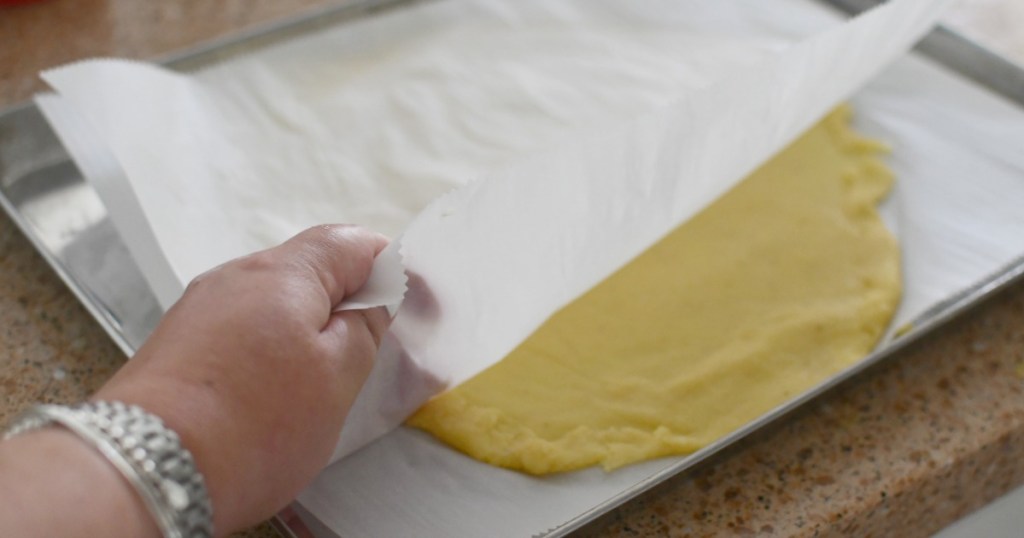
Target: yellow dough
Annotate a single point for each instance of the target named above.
(785, 280)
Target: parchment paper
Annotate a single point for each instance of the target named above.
(959, 160)
(241, 156)
(953, 232)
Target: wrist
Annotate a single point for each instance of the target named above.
(206, 429)
(52, 468)
(146, 453)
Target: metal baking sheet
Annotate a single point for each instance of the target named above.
(45, 195)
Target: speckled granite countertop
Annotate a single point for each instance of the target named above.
(902, 450)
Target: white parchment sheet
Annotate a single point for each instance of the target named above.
(241, 156)
(958, 154)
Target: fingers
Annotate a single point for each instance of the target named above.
(355, 336)
(339, 256)
(374, 320)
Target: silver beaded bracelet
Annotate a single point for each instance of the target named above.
(146, 452)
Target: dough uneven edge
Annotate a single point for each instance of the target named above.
(786, 280)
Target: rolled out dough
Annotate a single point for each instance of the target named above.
(785, 280)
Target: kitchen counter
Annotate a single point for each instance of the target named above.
(901, 450)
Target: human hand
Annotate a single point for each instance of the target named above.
(256, 372)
